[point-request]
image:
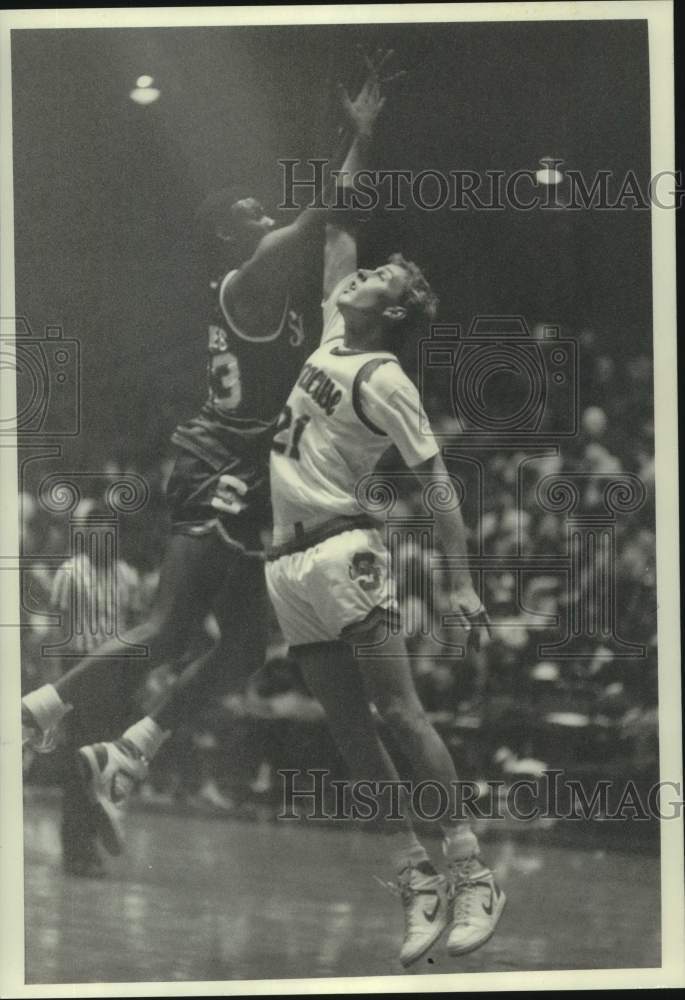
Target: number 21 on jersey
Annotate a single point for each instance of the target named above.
(288, 433)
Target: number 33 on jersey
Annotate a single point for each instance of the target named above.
(223, 373)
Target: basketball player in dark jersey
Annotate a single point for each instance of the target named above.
(256, 348)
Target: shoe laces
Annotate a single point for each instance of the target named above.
(391, 887)
(41, 740)
(45, 740)
(465, 880)
(409, 892)
(136, 758)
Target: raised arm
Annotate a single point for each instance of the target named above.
(340, 249)
(279, 252)
(339, 257)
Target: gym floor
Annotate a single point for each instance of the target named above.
(196, 898)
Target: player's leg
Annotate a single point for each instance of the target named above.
(355, 595)
(385, 667)
(330, 672)
(240, 609)
(241, 613)
(355, 584)
(304, 589)
(100, 685)
(477, 899)
(332, 677)
(192, 570)
(78, 828)
(215, 556)
(113, 769)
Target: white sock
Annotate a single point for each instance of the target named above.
(146, 736)
(46, 706)
(459, 842)
(406, 850)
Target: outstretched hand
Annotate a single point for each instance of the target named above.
(363, 111)
(475, 617)
(376, 62)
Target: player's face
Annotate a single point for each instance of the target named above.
(373, 291)
(251, 219)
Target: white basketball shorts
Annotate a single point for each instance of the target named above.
(338, 589)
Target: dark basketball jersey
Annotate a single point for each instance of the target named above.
(249, 377)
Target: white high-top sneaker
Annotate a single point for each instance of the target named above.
(111, 771)
(42, 711)
(424, 899)
(476, 905)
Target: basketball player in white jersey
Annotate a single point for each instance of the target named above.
(328, 571)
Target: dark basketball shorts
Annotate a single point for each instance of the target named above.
(190, 490)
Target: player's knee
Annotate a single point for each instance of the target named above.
(159, 635)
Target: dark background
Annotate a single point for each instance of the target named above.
(105, 189)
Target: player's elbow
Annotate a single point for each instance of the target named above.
(310, 220)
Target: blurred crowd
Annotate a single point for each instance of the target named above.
(513, 709)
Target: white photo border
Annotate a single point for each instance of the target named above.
(659, 15)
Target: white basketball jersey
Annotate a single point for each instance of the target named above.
(346, 408)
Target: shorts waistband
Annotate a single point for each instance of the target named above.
(306, 539)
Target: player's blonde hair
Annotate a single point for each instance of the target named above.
(418, 298)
